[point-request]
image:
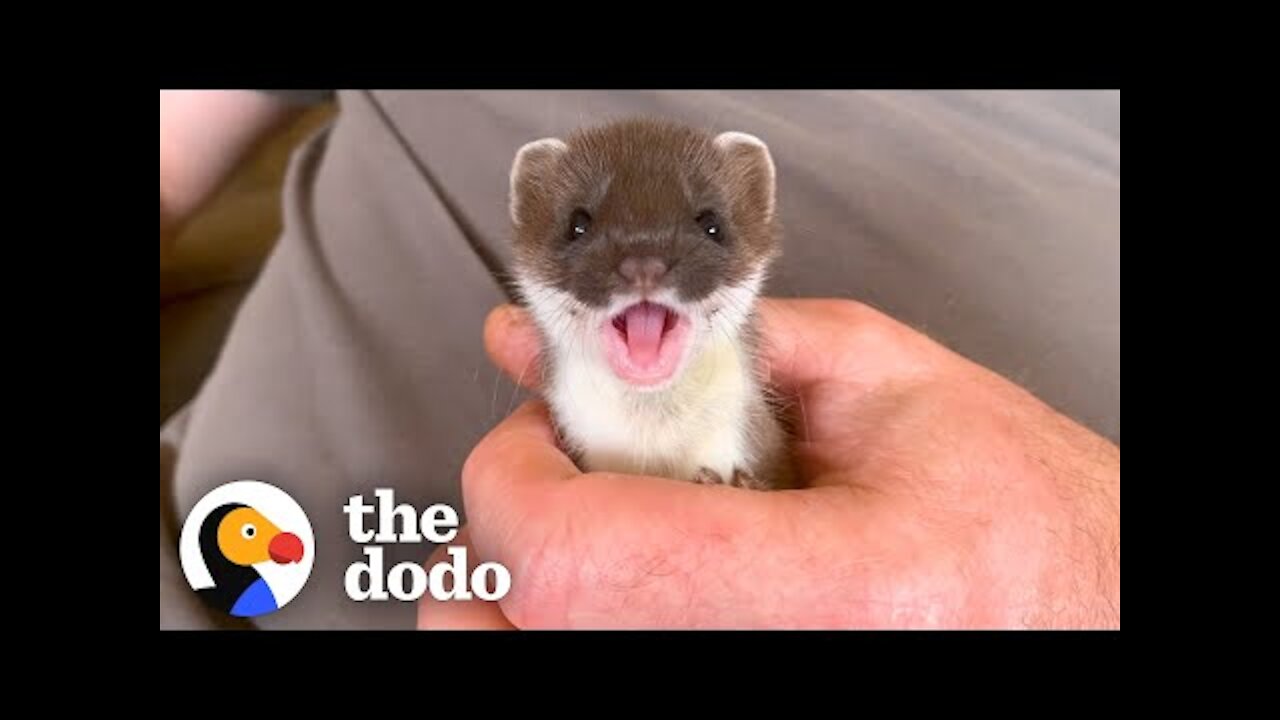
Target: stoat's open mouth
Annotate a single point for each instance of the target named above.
(644, 343)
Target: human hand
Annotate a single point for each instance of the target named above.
(935, 494)
(204, 135)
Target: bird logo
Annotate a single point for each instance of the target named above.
(247, 548)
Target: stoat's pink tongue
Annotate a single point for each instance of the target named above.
(645, 323)
(644, 345)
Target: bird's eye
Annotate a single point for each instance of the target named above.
(710, 225)
(248, 531)
(579, 224)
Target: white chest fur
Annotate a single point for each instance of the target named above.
(699, 421)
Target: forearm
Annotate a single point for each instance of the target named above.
(1084, 475)
(1100, 536)
(204, 134)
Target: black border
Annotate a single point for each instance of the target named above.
(858, 49)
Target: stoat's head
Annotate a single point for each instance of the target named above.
(640, 241)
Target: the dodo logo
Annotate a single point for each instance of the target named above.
(247, 548)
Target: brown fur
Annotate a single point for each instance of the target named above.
(645, 189)
(644, 183)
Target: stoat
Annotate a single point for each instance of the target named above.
(640, 248)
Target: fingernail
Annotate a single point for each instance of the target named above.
(512, 315)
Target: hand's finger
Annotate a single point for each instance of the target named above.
(514, 345)
(509, 476)
(519, 454)
(474, 614)
(809, 341)
(635, 552)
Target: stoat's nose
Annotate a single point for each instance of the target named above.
(644, 273)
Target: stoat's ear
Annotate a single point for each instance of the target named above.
(531, 172)
(750, 169)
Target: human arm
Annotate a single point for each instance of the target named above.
(204, 135)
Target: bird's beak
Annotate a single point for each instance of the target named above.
(285, 548)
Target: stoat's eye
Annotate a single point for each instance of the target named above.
(710, 224)
(248, 531)
(579, 224)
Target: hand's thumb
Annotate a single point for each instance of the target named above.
(514, 345)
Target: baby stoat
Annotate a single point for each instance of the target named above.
(640, 249)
